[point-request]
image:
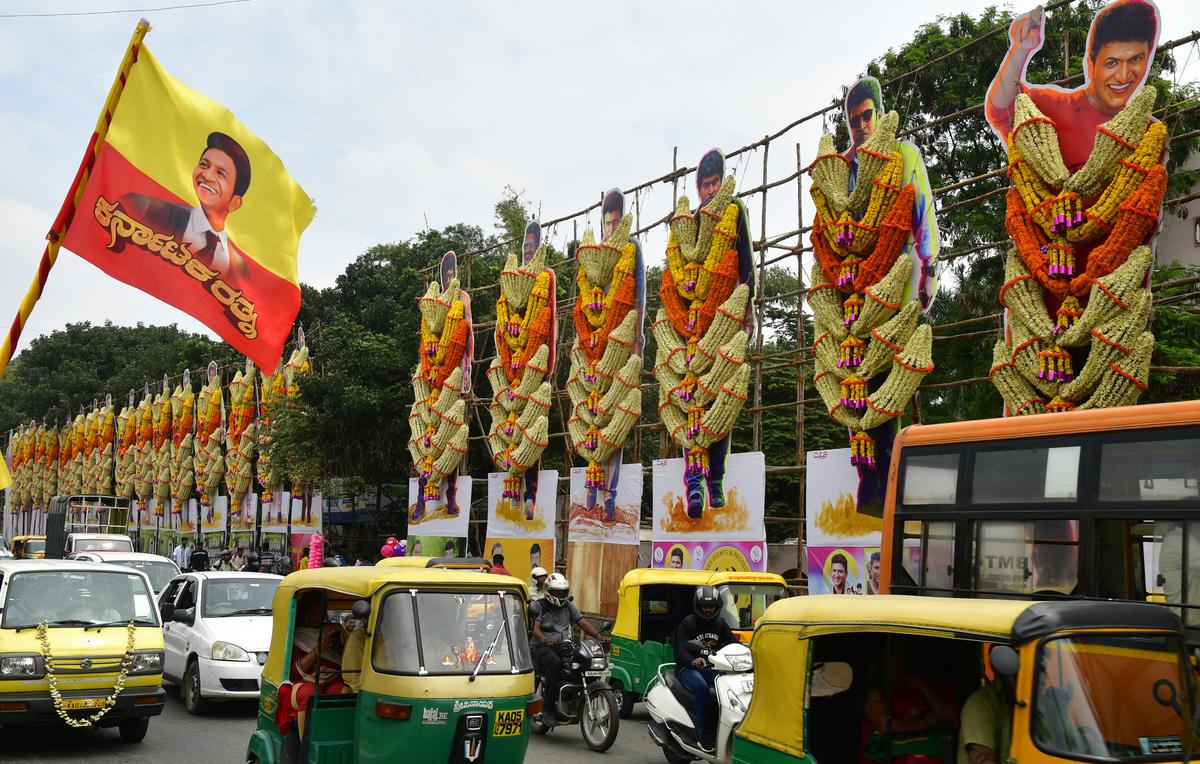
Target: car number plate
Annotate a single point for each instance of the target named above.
(593, 673)
(79, 704)
(508, 723)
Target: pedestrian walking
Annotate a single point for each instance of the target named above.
(181, 555)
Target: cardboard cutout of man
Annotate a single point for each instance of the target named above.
(863, 107)
(220, 179)
(612, 209)
(1120, 50)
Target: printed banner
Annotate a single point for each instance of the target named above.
(149, 514)
(741, 519)
(186, 204)
(532, 516)
(831, 488)
(274, 512)
(212, 514)
(436, 546)
(244, 518)
(745, 556)
(615, 524)
(306, 513)
(185, 521)
(843, 570)
(437, 521)
(521, 555)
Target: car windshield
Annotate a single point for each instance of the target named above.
(160, 572)
(743, 604)
(238, 596)
(101, 545)
(1112, 696)
(77, 598)
(35, 546)
(458, 632)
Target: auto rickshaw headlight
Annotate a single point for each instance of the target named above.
(225, 651)
(19, 665)
(147, 662)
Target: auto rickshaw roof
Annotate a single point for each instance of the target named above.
(459, 563)
(651, 576)
(1011, 620)
(366, 579)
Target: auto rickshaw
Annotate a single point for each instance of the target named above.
(477, 564)
(29, 547)
(1075, 680)
(435, 667)
(652, 601)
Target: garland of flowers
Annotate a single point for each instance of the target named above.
(161, 412)
(183, 428)
(438, 415)
(703, 312)
(52, 678)
(1074, 279)
(858, 281)
(50, 466)
(520, 374)
(240, 437)
(604, 379)
(210, 432)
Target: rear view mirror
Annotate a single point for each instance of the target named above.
(167, 611)
(361, 610)
(829, 679)
(1005, 661)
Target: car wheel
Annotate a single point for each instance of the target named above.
(192, 699)
(134, 730)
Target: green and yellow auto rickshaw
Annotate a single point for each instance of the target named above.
(652, 601)
(477, 564)
(372, 664)
(899, 678)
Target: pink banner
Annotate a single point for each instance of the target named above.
(711, 555)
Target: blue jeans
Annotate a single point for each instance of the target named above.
(698, 681)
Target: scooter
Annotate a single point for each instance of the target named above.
(672, 724)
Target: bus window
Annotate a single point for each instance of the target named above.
(1026, 557)
(1150, 470)
(927, 555)
(1026, 475)
(930, 478)
(1166, 563)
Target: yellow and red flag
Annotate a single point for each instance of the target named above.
(179, 199)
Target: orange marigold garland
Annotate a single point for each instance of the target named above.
(1078, 243)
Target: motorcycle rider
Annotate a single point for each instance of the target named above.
(551, 627)
(706, 626)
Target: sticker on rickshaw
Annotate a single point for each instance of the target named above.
(508, 723)
(434, 715)
(1161, 744)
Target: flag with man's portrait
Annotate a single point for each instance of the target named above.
(186, 204)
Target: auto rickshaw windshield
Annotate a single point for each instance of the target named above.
(35, 546)
(455, 633)
(1112, 696)
(77, 598)
(742, 604)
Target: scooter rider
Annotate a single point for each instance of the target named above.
(551, 627)
(706, 626)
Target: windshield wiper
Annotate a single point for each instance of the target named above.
(486, 653)
(61, 622)
(120, 622)
(249, 611)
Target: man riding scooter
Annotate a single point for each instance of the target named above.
(551, 628)
(706, 626)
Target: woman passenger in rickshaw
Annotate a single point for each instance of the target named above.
(316, 646)
(921, 709)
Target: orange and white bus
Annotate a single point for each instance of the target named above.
(1101, 504)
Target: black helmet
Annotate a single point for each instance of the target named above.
(706, 599)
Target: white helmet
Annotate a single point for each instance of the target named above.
(558, 589)
(537, 572)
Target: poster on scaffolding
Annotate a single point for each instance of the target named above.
(436, 518)
(307, 513)
(244, 517)
(741, 491)
(275, 511)
(526, 513)
(842, 543)
(597, 516)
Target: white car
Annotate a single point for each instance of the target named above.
(160, 570)
(217, 638)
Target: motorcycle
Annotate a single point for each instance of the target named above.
(673, 725)
(584, 696)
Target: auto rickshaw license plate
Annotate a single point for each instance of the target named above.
(508, 723)
(80, 704)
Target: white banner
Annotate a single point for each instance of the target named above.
(527, 516)
(741, 517)
(603, 518)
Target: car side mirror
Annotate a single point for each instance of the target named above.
(184, 615)
(167, 611)
(1005, 661)
(361, 610)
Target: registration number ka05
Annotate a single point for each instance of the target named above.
(80, 704)
(508, 723)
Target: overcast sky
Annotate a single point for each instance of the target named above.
(398, 115)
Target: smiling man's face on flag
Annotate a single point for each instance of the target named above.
(188, 205)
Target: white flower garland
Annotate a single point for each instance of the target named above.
(52, 678)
